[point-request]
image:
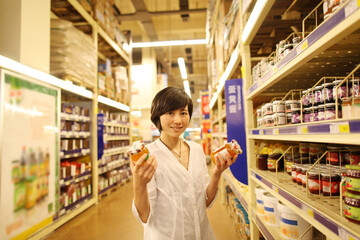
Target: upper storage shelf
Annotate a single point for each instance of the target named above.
(73, 11)
(332, 49)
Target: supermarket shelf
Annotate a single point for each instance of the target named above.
(80, 13)
(240, 190)
(73, 117)
(215, 121)
(114, 185)
(73, 206)
(73, 134)
(321, 212)
(77, 153)
(113, 138)
(117, 124)
(269, 232)
(114, 151)
(107, 168)
(41, 234)
(340, 24)
(223, 117)
(336, 131)
(70, 180)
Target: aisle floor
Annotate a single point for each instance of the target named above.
(112, 218)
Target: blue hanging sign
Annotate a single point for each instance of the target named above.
(235, 121)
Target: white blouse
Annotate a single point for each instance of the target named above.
(177, 197)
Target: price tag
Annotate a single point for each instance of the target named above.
(310, 212)
(275, 69)
(276, 132)
(344, 128)
(345, 235)
(304, 45)
(261, 132)
(275, 189)
(304, 130)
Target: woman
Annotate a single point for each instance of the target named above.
(172, 188)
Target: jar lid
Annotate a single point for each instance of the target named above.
(267, 104)
(330, 104)
(307, 109)
(318, 87)
(305, 91)
(289, 101)
(327, 174)
(277, 101)
(328, 84)
(295, 109)
(279, 114)
(314, 172)
(321, 106)
(337, 81)
(258, 110)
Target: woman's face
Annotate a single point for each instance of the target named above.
(175, 122)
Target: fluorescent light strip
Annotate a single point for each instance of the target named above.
(113, 103)
(187, 88)
(182, 67)
(228, 70)
(168, 43)
(213, 100)
(254, 16)
(14, 66)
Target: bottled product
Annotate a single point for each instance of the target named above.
(327, 92)
(295, 116)
(353, 179)
(352, 207)
(331, 184)
(314, 181)
(346, 107)
(233, 148)
(262, 161)
(137, 149)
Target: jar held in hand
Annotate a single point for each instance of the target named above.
(137, 149)
(233, 148)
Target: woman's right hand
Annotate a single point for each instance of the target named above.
(142, 170)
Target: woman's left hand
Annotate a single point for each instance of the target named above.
(223, 163)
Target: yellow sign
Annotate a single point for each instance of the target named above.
(304, 130)
(344, 128)
(310, 212)
(304, 45)
(276, 131)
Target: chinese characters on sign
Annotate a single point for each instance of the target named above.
(234, 98)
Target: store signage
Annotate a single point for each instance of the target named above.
(205, 109)
(29, 165)
(235, 121)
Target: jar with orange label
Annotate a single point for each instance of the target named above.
(233, 148)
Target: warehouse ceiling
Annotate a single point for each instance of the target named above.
(163, 20)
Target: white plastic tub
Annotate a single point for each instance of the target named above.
(270, 209)
(259, 200)
(292, 226)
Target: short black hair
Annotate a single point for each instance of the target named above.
(169, 99)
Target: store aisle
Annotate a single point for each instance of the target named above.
(113, 219)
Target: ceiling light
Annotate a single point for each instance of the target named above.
(14, 66)
(187, 88)
(182, 67)
(168, 43)
(198, 100)
(256, 18)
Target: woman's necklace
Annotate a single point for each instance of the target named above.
(179, 155)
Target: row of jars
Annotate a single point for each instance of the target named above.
(326, 93)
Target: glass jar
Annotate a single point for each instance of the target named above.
(299, 175)
(342, 90)
(279, 119)
(318, 98)
(288, 105)
(327, 92)
(303, 175)
(288, 166)
(314, 114)
(293, 172)
(352, 207)
(314, 181)
(271, 162)
(321, 112)
(278, 106)
(330, 184)
(346, 108)
(333, 155)
(288, 118)
(305, 98)
(306, 115)
(353, 179)
(262, 161)
(354, 87)
(233, 148)
(295, 116)
(330, 111)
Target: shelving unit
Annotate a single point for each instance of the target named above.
(329, 49)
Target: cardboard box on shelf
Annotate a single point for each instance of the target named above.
(87, 5)
(99, 12)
